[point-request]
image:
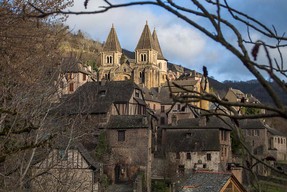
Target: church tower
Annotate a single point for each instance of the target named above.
(146, 71)
(145, 50)
(111, 54)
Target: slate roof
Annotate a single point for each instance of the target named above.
(252, 124)
(205, 182)
(211, 123)
(164, 96)
(127, 122)
(72, 65)
(65, 143)
(157, 45)
(258, 124)
(146, 39)
(273, 131)
(97, 97)
(193, 140)
(150, 94)
(112, 42)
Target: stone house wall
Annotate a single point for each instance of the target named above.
(130, 155)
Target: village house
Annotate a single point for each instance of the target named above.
(118, 109)
(73, 74)
(129, 138)
(197, 144)
(265, 142)
(67, 167)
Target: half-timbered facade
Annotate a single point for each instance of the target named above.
(66, 168)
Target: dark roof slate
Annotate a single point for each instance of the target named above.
(252, 124)
(193, 140)
(97, 97)
(212, 122)
(72, 65)
(127, 122)
(205, 182)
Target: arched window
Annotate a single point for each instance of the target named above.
(109, 59)
(143, 57)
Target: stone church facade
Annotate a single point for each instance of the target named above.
(147, 67)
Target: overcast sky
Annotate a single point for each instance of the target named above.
(181, 44)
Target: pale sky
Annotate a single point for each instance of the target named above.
(181, 44)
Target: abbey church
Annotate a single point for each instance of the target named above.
(148, 67)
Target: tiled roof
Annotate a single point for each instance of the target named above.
(157, 45)
(127, 121)
(205, 182)
(97, 97)
(192, 140)
(112, 42)
(146, 39)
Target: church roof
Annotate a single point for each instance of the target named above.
(157, 45)
(146, 39)
(112, 42)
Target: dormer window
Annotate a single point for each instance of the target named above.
(143, 57)
(109, 59)
(137, 94)
(102, 93)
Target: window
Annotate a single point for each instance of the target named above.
(102, 93)
(153, 106)
(109, 59)
(62, 154)
(188, 156)
(223, 135)
(208, 157)
(121, 135)
(162, 120)
(143, 57)
(84, 77)
(177, 156)
(71, 87)
(162, 108)
(178, 107)
(181, 169)
(255, 132)
(137, 94)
